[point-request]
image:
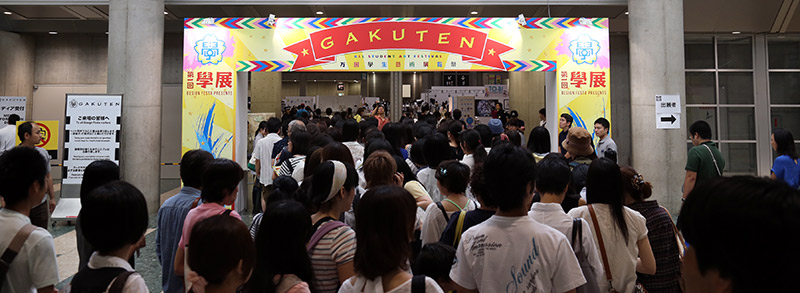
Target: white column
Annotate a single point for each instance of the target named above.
(657, 67)
(135, 51)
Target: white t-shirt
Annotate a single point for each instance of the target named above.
(468, 160)
(433, 223)
(362, 284)
(356, 150)
(515, 254)
(35, 265)
(8, 135)
(263, 152)
(427, 176)
(551, 214)
(621, 254)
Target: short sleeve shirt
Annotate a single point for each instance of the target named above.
(699, 160)
(35, 265)
(46, 156)
(787, 170)
(198, 214)
(336, 248)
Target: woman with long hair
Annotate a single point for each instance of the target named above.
(539, 142)
(474, 151)
(282, 262)
(623, 231)
(785, 168)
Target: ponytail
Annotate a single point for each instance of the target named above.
(472, 140)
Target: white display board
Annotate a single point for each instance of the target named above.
(12, 105)
(668, 111)
(91, 132)
(339, 103)
(293, 101)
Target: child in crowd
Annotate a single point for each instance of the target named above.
(283, 188)
(434, 261)
(220, 266)
(452, 179)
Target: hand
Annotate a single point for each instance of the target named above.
(398, 179)
(52, 204)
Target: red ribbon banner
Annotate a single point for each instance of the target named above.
(473, 45)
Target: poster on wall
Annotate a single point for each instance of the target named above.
(91, 132)
(300, 100)
(483, 108)
(11, 105)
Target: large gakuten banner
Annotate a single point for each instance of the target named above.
(216, 48)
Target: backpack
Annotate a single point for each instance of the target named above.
(589, 274)
(580, 171)
(418, 284)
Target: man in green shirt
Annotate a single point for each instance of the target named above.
(704, 160)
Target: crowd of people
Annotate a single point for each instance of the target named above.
(354, 202)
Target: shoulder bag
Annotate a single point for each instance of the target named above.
(638, 288)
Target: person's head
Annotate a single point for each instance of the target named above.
(633, 184)
(452, 177)
(553, 175)
(565, 122)
(757, 213)
(486, 134)
(604, 185)
(516, 169)
(29, 133)
(328, 111)
(454, 129)
(321, 140)
(333, 187)
(226, 263)
(96, 174)
(193, 165)
(539, 140)
(783, 142)
(395, 134)
(479, 187)
(283, 188)
(350, 130)
(22, 177)
(434, 261)
(699, 132)
(281, 245)
(422, 129)
(273, 125)
(296, 126)
(514, 124)
(379, 169)
(337, 151)
(495, 126)
(312, 129)
(578, 143)
(512, 136)
(380, 110)
(542, 114)
(403, 168)
(498, 106)
(299, 143)
(262, 128)
(385, 218)
(113, 216)
(12, 119)
(437, 149)
(417, 154)
(221, 181)
(471, 144)
(360, 111)
(373, 134)
(457, 114)
(601, 127)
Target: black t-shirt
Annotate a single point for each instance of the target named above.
(458, 153)
(472, 218)
(561, 137)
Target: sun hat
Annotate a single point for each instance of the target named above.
(578, 142)
(496, 126)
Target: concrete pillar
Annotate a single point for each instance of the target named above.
(16, 78)
(527, 96)
(303, 85)
(396, 95)
(266, 92)
(621, 98)
(135, 52)
(657, 67)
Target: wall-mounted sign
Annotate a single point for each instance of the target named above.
(12, 105)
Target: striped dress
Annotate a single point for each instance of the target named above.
(336, 248)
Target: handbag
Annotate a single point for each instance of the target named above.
(678, 237)
(638, 288)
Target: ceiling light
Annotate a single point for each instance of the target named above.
(165, 13)
(736, 33)
(106, 32)
(627, 12)
(320, 12)
(315, 80)
(474, 12)
(7, 12)
(53, 32)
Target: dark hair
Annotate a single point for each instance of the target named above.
(379, 169)
(633, 184)
(373, 134)
(378, 145)
(337, 151)
(213, 259)
(554, 174)
(20, 167)
(453, 176)
(385, 218)
(604, 185)
(603, 121)
(422, 129)
(404, 169)
(567, 117)
(96, 174)
(513, 137)
(285, 126)
(363, 128)
(542, 111)
(328, 111)
(785, 142)
(479, 187)
(261, 125)
(486, 134)
(758, 212)
(437, 149)
(281, 246)
(24, 128)
(322, 181)
(334, 133)
(312, 161)
(454, 128)
(395, 134)
(193, 165)
(12, 119)
(610, 154)
(113, 215)
(516, 169)
(456, 114)
(312, 129)
(435, 260)
(221, 177)
(350, 130)
(301, 142)
(321, 140)
(417, 154)
(539, 140)
(700, 128)
(283, 188)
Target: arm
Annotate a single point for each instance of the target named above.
(178, 264)
(688, 183)
(345, 271)
(772, 176)
(48, 289)
(258, 168)
(49, 183)
(424, 201)
(646, 263)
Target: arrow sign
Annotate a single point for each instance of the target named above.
(670, 119)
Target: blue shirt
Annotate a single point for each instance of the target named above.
(786, 170)
(170, 227)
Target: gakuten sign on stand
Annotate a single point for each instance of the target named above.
(216, 48)
(91, 132)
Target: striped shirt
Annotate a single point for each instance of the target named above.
(336, 248)
(290, 167)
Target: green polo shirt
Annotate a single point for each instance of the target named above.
(700, 161)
